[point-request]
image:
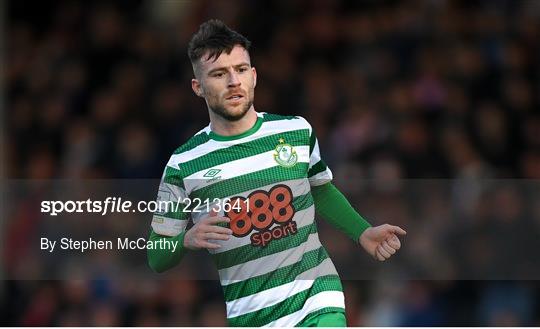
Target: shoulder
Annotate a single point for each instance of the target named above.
(287, 120)
(198, 139)
(277, 117)
(194, 145)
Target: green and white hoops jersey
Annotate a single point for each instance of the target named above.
(274, 270)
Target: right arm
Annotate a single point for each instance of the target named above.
(171, 224)
(161, 260)
(195, 238)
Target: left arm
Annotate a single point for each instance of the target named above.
(332, 205)
(381, 242)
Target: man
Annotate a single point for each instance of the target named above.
(264, 177)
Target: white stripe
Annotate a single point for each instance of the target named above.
(321, 178)
(246, 165)
(278, 294)
(314, 303)
(175, 192)
(168, 226)
(306, 123)
(315, 155)
(240, 167)
(267, 129)
(268, 263)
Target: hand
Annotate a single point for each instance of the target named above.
(381, 242)
(206, 229)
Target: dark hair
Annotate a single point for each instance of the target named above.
(215, 38)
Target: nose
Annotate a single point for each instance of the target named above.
(234, 80)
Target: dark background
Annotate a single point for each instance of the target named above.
(436, 89)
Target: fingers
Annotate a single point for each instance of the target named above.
(394, 242)
(218, 229)
(388, 248)
(209, 245)
(379, 256)
(216, 220)
(397, 230)
(217, 236)
(196, 241)
(207, 229)
(387, 241)
(383, 252)
(201, 239)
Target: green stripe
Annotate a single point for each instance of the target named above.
(302, 202)
(247, 182)
(319, 312)
(289, 305)
(175, 214)
(248, 253)
(275, 117)
(281, 276)
(193, 142)
(317, 168)
(218, 157)
(246, 133)
(173, 176)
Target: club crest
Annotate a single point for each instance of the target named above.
(285, 154)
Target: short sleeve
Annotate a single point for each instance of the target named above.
(169, 218)
(318, 173)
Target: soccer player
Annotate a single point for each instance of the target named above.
(265, 179)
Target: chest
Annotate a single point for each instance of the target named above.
(239, 168)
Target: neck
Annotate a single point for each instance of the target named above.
(225, 127)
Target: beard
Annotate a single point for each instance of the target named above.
(220, 110)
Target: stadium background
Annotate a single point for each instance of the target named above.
(422, 89)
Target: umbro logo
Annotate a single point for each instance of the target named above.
(212, 173)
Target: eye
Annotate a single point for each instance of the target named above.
(242, 69)
(218, 75)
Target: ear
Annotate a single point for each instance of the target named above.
(196, 86)
(254, 77)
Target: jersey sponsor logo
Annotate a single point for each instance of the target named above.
(285, 154)
(266, 215)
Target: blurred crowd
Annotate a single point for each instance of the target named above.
(423, 89)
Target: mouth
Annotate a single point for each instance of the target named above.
(234, 97)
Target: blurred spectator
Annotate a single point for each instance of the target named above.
(429, 89)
